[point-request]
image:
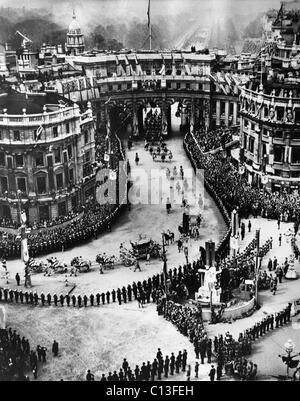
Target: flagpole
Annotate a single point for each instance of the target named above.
(149, 24)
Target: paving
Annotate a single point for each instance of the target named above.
(99, 338)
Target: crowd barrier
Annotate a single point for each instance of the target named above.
(223, 248)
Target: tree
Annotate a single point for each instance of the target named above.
(254, 29)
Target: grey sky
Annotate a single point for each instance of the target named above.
(93, 12)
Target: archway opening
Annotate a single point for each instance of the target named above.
(175, 126)
(152, 122)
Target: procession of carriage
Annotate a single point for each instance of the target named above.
(140, 249)
(143, 248)
(53, 265)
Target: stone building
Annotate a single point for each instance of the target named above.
(47, 147)
(75, 38)
(270, 110)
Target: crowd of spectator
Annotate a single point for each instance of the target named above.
(17, 358)
(236, 193)
(214, 139)
(63, 232)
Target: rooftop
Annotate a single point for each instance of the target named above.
(15, 102)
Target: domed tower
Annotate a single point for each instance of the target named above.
(75, 38)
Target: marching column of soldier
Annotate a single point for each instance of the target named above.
(160, 368)
(146, 291)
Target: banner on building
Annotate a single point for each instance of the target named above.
(2, 317)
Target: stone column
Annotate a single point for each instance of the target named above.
(183, 116)
(192, 116)
(207, 110)
(164, 118)
(234, 120)
(227, 113)
(218, 113)
(135, 121)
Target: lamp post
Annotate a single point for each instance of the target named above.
(257, 265)
(23, 233)
(165, 266)
(289, 347)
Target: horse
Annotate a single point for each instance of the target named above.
(169, 237)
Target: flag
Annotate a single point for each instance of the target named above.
(23, 217)
(148, 14)
(162, 70)
(39, 132)
(24, 248)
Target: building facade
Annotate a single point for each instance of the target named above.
(47, 147)
(270, 110)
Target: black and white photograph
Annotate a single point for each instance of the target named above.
(149, 193)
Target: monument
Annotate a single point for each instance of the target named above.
(209, 292)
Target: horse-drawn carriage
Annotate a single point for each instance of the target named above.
(105, 261)
(82, 265)
(145, 246)
(36, 265)
(48, 267)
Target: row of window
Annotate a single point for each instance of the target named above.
(280, 113)
(275, 133)
(279, 151)
(16, 134)
(39, 159)
(128, 86)
(41, 182)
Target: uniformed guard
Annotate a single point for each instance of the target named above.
(68, 299)
(272, 322)
(166, 366)
(49, 299)
(129, 292)
(113, 294)
(177, 365)
(55, 299)
(92, 299)
(36, 298)
(85, 300)
(260, 329)
(103, 298)
(124, 293)
(74, 300)
(184, 359)
(119, 296)
(277, 320)
(61, 299)
(107, 297)
(134, 290)
(98, 298)
(31, 298)
(79, 300)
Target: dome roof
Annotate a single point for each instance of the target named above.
(74, 26)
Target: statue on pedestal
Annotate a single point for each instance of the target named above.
(209, 292)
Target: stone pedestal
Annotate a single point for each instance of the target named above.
(208, 293)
